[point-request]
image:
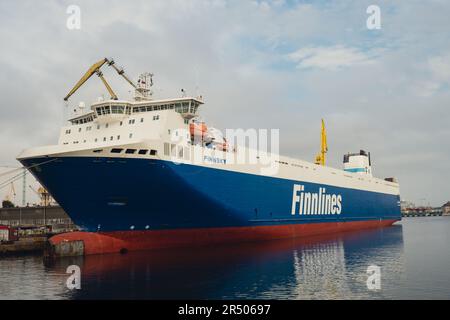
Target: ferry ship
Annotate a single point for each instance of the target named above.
(148, 173)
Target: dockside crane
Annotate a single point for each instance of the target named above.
(95, 69)
(320, 158)
(8, 201)
(44, 197)
(11, 196)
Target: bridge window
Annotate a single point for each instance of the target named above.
(153, 152)
(116, 150)
(117, 109)
(143, 151)
(103, 110)
(130, 151)
(193, 107)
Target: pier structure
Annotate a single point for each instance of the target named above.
(53, 217)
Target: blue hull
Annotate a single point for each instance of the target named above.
(112, 194)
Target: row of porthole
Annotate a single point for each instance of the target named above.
(296, 165)
(104, 139)
(130, 121)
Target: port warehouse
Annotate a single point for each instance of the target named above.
(410, 210)
(53, 216)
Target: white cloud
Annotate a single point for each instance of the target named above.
(331, 58)
(426, 88)
(437, 76)
(440, 67)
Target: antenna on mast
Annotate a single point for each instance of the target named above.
(143, 89)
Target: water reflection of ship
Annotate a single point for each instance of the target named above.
(332, 267)
(319, 268)
(338, 269)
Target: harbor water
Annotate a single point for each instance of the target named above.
(413, 257)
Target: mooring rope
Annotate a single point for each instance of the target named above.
(20, 175)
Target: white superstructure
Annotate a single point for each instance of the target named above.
(152, 129)
(170, 130)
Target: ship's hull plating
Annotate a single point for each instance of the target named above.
(118, 241)
(137, 198)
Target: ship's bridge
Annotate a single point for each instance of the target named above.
(186, 106)
(104, 112)
(116, 110)
(111, 110)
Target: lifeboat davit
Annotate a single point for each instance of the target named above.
(222, 146)
(217, 139)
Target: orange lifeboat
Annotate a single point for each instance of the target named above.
(198, 129)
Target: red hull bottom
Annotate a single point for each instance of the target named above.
(120, 241)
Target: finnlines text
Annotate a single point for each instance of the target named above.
(310, 203)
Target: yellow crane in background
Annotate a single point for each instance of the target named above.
(45, 199)
(11, 196)
(320, 158)
(95, 69)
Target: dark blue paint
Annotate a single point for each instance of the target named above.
(116, 194)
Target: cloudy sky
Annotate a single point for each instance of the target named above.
(259, 64)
